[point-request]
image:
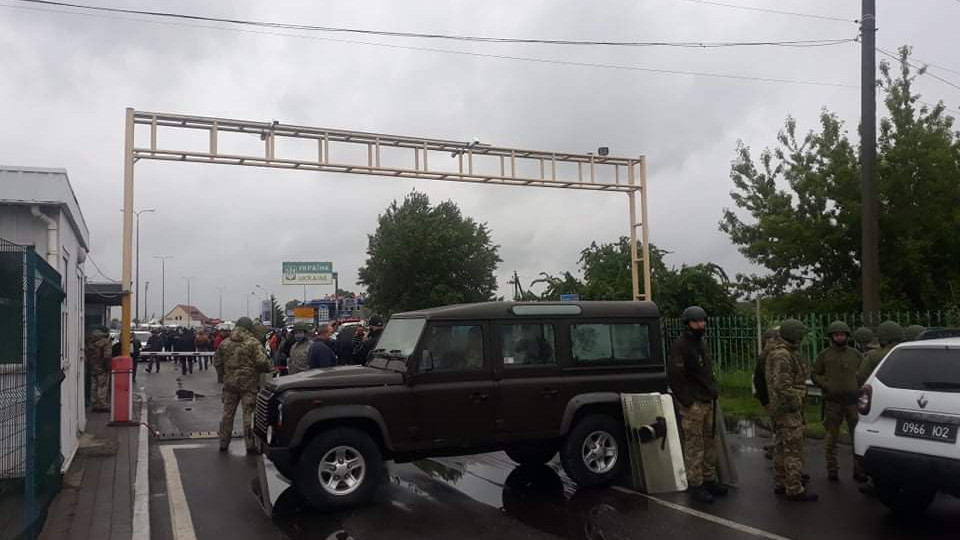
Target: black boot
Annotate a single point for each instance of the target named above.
(716, 489)
(833, 476)
(700, 494)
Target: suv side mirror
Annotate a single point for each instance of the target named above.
(426, 361)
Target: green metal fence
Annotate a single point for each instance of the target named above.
(30, 377)
(734, 341)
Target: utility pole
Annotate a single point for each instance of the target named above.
(163, 286)
(220, 316)
(870, 256)
(146, 292)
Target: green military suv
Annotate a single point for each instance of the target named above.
(531, 379)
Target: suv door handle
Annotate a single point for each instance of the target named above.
(479, 396)
(550, 392)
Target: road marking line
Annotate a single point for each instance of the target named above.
(705, 516)
(141, 489)
(181, 522)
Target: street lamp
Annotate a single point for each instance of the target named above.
(163, 286)
(247, 296)
(189, 305)
(146, 297)
(220, 316)
(137, 286)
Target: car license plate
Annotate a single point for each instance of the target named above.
(927, 430)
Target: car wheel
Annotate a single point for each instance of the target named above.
(532, 453)
(903, 498)
(595, 451)
(338, 468)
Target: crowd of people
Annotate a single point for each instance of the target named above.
(780, 384)
(182, 340)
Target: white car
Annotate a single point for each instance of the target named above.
(909, 419)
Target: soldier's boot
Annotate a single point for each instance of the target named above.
(700, 494)
(805, 477)
(803, 496)
(224, 445)
(833, 475)
(779, 490)
(716, 489)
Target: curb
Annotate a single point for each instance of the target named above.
(141, 490)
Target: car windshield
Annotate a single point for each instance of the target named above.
(936, 370)
(396, 343)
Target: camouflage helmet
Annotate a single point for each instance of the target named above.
(792, 330)
(245, 322)
(302, 327)
(863, 335)
(693, 313)
(912, 332)
(837, 327)
(889, 332)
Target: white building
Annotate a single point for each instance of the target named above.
(184, 315)
(38, 208)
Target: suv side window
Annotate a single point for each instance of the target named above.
(455, 347)
(610, 343)
(528, 344)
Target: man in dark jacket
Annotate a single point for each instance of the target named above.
(154, 344)
(321, 354)
(361, 352)
(835, 372)
(690, 373)
(344, 345)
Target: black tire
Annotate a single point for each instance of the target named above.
(575, 461)
(358, 444)
(903, 499)
(535, 453)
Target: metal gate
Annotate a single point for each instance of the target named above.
(30, 376)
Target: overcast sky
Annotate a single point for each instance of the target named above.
(67, 78)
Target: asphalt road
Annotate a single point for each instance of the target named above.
(197, 492)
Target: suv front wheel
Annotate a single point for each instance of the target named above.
(340, 467)
(595, 451)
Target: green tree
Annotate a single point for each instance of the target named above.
(804, 208)
(607, 276)
(423, 255)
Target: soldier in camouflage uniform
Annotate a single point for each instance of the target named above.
(786, 382)
(889, 333)
(240, 360)
(864, 339)
(912, 332)
(690, 373)
(98, 353)
(835, 372)
(299, 357)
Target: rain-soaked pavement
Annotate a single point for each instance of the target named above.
(197, 492)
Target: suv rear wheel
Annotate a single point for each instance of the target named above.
(595, 451)
(902, 498)
(533, 453)
(340, 467)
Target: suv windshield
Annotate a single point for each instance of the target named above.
(396, 343)
(936, 370)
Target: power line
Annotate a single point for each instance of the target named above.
(99, 271)
(774, 11)
(466, 53)
(450, 37)
(914, 66)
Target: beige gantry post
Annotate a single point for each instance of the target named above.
(423, 159)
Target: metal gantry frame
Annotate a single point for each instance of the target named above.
(475, 163)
